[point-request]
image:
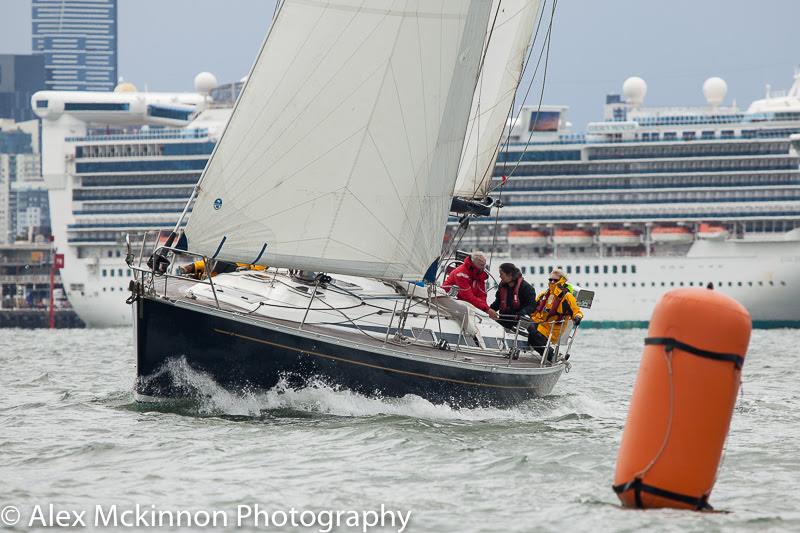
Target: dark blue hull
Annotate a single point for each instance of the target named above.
(243, 355)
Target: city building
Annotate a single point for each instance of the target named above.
(20, 77)
(78, 39)
(24, 209)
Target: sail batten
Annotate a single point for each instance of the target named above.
(494, 97)
(344, 147)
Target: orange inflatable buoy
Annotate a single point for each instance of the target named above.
(683, 400)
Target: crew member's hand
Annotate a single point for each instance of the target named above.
(577, 319)
(492, 314)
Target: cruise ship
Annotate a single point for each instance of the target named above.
(646, 200)
(118, 163)
(654, 198)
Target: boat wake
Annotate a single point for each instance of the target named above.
(206, 397)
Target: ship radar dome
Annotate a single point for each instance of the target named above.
(125, 87)
(205, 82)
(634, 89)
(715, 89)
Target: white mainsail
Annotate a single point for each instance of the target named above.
(494, 94)
(343, 150)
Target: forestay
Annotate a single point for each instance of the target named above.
(494, 95)
(343, 150)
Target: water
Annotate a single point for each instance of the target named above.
(71, 435)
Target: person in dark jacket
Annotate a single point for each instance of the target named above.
(515, 298)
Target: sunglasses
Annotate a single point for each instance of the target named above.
(554, 280)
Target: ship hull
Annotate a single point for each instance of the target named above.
(242, 356)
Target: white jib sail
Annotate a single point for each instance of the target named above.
(343, 150)
(494, 94)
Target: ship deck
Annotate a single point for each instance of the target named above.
(175, 290)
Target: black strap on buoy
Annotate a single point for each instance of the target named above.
(670, 344)
(638, 487)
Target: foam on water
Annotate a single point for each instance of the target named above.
(321, 398)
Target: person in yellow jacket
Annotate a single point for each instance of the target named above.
(554, 308)
(197, 268)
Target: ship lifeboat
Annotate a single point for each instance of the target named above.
(620, 237)
(671, 235)
(527, 238)
(572, 237)
(712, 231)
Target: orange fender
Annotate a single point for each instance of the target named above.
(683, 400)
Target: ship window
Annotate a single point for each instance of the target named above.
(104, 272)
(120, 272)
(691, 283)
(524, 270)
(110, 253)
(760, 283)
(783, 283)
(605, 269)
(633, 269)
(605, 284)
(130, 273)
(587, 269)
(652, 283)
(112, 272)
(730, 284)
(615, 284)
(171, 113)
(578, 269)
(614, 269)
(663, 284)
(624, 269)
(95, 106)
(750, 283)
(569, 269)
(771, 283)
(41, 104)
(118, 253)
(104, 289)
(597, 269)
(624, 284)
(671, 283)
(541, 270)
(740, 284)
(681, 284)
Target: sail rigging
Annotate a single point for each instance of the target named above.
(343, 150)
(512, 23)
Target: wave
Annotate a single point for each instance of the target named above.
(208, 398)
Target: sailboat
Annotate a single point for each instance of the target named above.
(358, 125)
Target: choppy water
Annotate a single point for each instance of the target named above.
(71, 435)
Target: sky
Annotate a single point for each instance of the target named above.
(674, 45)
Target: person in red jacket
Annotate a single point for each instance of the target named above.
(470, 279)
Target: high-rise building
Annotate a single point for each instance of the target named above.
(20, 77)
(78, 39)
(24, 209)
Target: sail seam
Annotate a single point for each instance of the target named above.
(378, 93)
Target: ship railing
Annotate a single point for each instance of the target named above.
(149, 278)
(146, 274)
(552, 346)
